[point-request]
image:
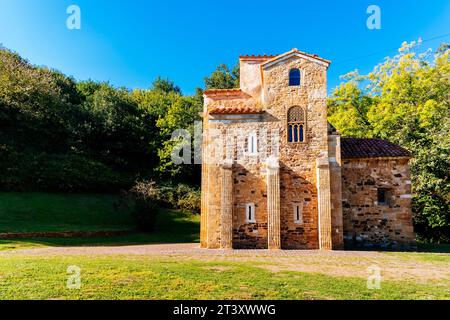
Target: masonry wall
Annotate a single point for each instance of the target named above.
(298, 160)
(366, 222)
(298, 177)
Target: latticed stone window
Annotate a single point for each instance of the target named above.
(296, 124)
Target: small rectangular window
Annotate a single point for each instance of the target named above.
(298, 214)
(383, 197)
(250, 214)
(252, 144)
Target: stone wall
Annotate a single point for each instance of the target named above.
(298, 160)
(270, 92)
(368, 223)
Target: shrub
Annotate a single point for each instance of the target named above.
(191, 201)
(145, 214)
(142, 206)
(182, 196)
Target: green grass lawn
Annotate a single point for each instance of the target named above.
(186, 276)
(40, 212)
(144, 277)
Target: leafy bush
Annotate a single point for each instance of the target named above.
(191, 201)
(144, 209)
(145, 214)
(181, 196)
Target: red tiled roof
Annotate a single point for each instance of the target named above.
(371, 148)
(235, 110)
(295, 50)
(264, 56)
(227, 92)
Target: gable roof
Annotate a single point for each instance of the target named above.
(296, 53)
(352, 148)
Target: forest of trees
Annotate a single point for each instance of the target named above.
(61, 135)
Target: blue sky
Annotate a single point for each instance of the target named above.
(131, 42)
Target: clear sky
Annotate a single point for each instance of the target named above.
(130, 42)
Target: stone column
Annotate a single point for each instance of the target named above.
(324, 199)
(273, 204)
(226, 207)
(337, 221)
(204, 208)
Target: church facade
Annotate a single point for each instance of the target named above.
(277, 175)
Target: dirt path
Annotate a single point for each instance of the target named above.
(393, 266)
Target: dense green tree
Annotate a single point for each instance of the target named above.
(182, 115)
(405, 100)
(165, 86)
(223, 78)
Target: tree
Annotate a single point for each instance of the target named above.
(405, 100)
(223, 78)
(165, 86)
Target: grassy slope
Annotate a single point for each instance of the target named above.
(36, 212)
(144, 277)
(53, 212)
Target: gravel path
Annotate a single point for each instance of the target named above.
(184, 249)
(336, 263)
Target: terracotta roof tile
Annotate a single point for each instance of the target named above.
(227, 92)
(235, 110)
(264, 56)
(295, 50)
(371, 148)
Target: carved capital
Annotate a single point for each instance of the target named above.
(273, 164)
(323, 163)
(227, 164)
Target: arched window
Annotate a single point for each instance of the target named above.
(296, 124)
(294, 77)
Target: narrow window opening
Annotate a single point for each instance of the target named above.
(250, 213)
(298, 216)
(252, 144)
(294, 77)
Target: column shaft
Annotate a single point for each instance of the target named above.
(226, 228)
(324, 199)
(273, 205)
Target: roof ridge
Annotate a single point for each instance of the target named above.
(259, 56)
(295, 50)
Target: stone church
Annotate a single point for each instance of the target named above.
(277, 175)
